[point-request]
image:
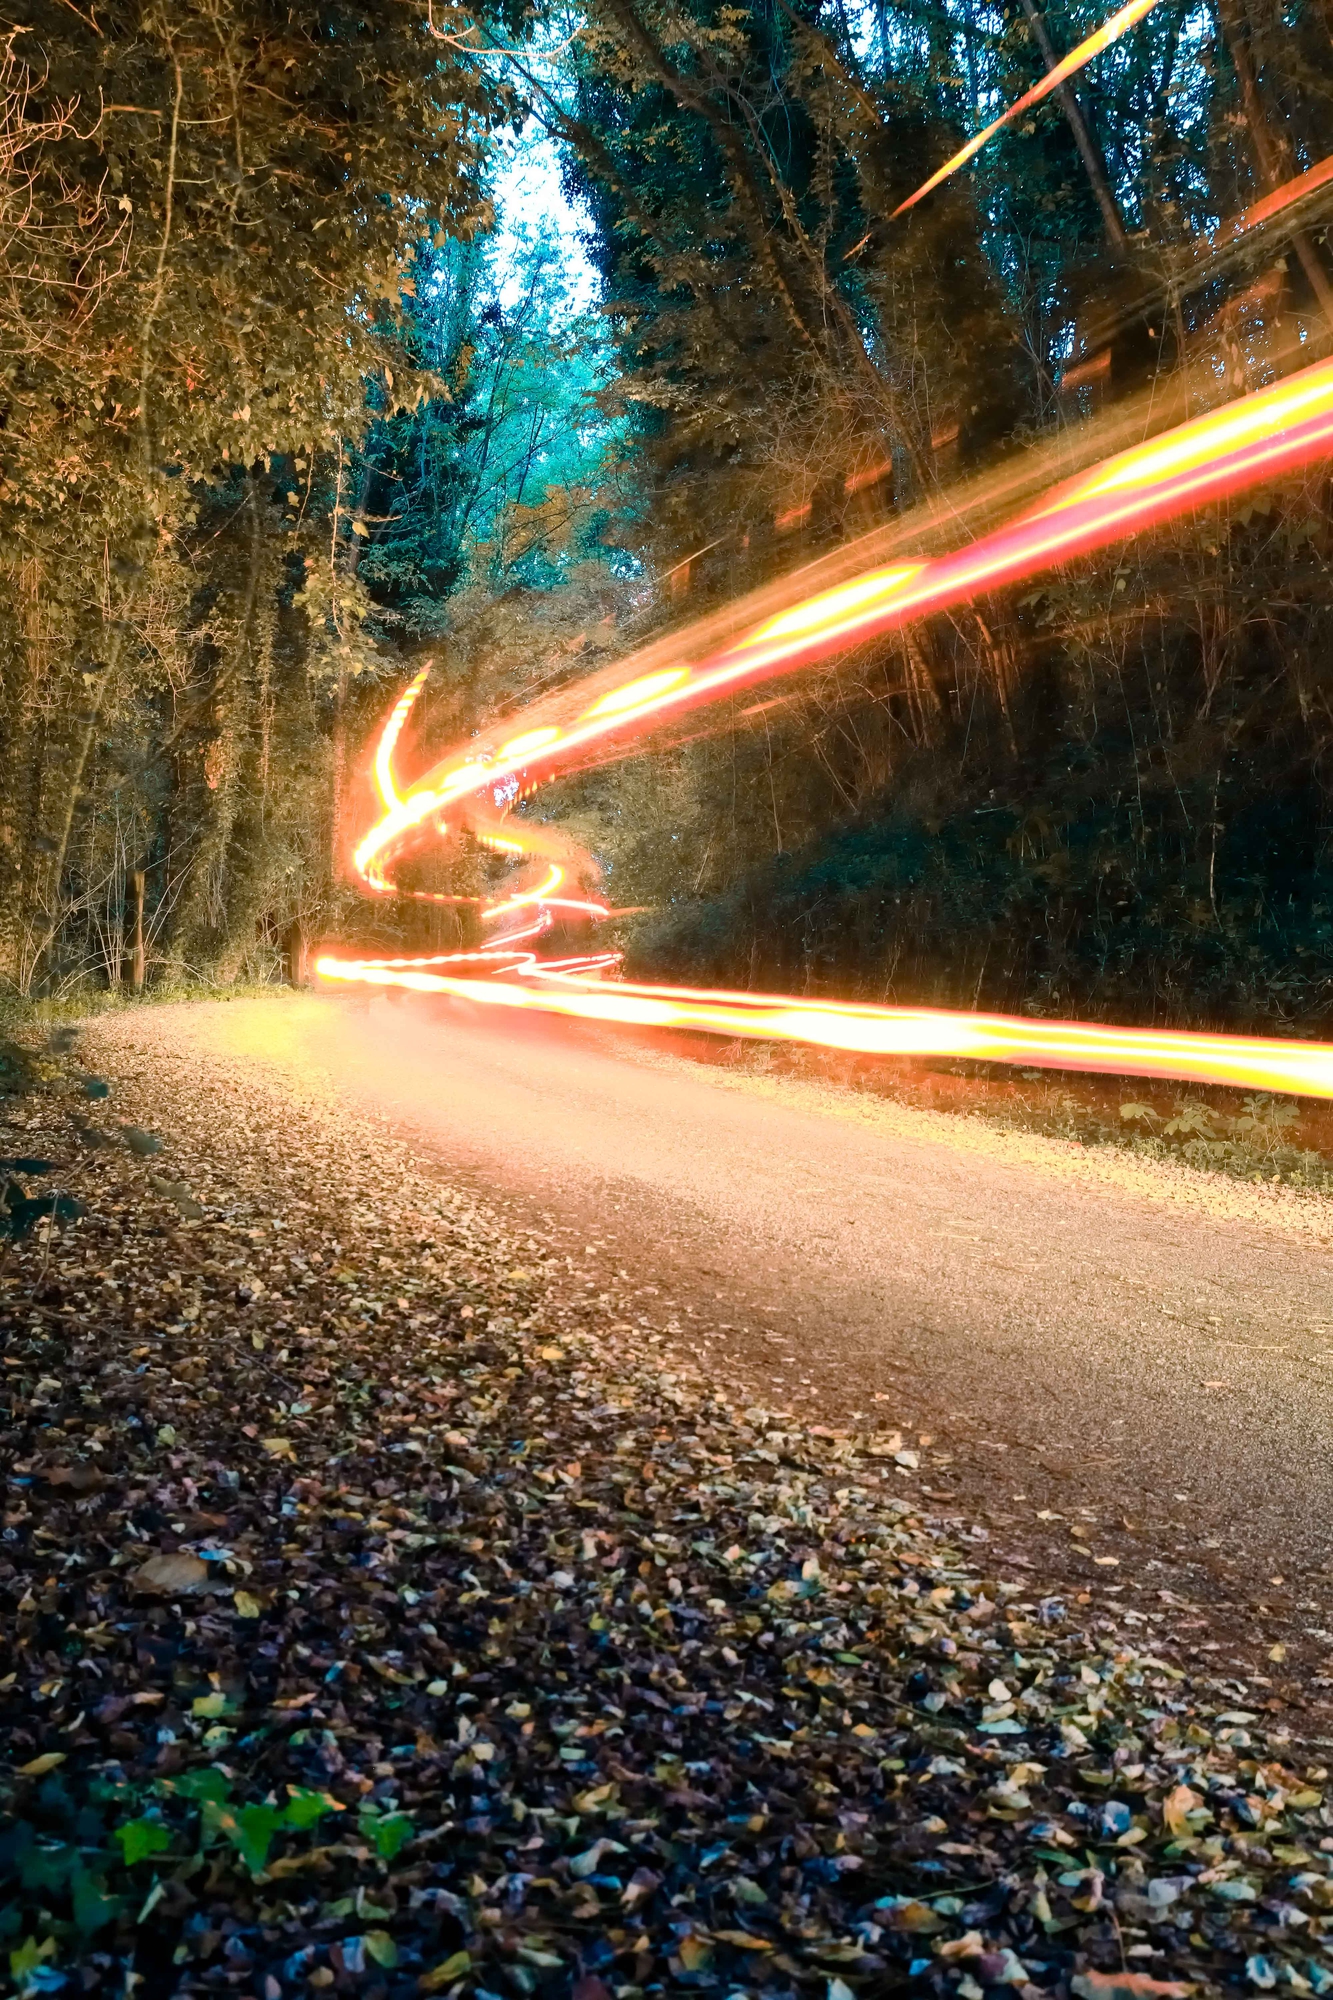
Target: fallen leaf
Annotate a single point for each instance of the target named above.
(445, 1973)
(180, 1575)
(39, 1766)
(914, 1917)
(80, 1477)
(1128, 1986)
(1176, 1806)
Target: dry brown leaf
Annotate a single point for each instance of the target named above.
(39, 1766)
(1176, 1805)
(179, 1575)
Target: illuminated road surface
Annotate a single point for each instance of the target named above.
(999, 1289)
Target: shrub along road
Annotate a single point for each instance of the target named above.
(388, 1610)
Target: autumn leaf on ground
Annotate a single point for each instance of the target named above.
(1178, 1804)
(1128, 1986)
(180, 1575)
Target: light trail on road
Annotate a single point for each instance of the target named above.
(1250, 1062)
(1274, 431)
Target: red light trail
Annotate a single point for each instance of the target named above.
(1274, 431)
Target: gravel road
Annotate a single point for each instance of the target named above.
(387, 1606)
(1141, 1351)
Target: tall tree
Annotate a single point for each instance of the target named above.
(221, 205)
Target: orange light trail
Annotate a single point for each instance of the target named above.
(1101, 38)
(1258, 437)
(1252, 1062)
(1282, 197)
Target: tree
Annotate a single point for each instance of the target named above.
(249, 190)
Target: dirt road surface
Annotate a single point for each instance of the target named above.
(1112, 1362)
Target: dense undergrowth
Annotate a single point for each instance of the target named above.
(1131, 854)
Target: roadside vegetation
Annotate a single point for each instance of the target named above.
(1252, 1136)
(289, 407)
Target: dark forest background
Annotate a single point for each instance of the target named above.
(283, 413)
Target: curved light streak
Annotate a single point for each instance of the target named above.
(640, 694)
(1274, 431)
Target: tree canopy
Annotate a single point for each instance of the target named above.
(287, 410)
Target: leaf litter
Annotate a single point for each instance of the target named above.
(383, 1614)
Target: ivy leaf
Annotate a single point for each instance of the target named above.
(250, 1829)
(19, 1212)
(387, 1832)
(207, 1784)
(41, 1867)
(92, 1906)
(141, 1837)
(304, 1808)
(144, 1144)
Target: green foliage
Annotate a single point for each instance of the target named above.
(305, 1808)
(43, 1870)
(20, 1212)
(74, 1867)
(242, 223)
(140, 1838)
(386, 1832)
(17, 1067)
(1262, 1141)
(510, 479)
(207, 1786)
(250, 1829)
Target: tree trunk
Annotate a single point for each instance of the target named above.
(1267, 148)
(296, 950)
(137, 963)
(200, 930)
(1089, 151)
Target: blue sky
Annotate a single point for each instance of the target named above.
(529, 200)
